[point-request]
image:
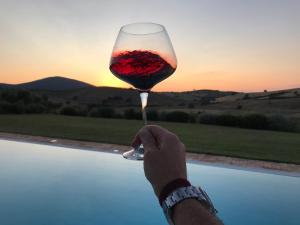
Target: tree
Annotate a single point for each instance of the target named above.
(105, 112)
(131, 114)
(177, 116)
(246, 96)
(191, 106)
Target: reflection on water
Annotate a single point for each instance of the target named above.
(48, 185)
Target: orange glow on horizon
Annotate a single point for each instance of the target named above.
(176, 82)
(110, 80)
(218, 46)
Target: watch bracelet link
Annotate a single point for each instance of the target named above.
(183, 193)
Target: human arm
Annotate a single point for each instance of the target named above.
(164, 161)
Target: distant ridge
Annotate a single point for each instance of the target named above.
(59, 83)
(55, 83)
(70, 91)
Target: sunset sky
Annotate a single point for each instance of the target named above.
(227, 45)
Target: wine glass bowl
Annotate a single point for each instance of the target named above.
(141, 68)
(142, 56)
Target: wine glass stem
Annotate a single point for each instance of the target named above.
(144, 100)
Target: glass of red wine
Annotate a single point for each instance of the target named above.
(142, 56)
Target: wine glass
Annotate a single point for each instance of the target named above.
(142, 56)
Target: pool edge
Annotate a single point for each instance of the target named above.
(288, 169)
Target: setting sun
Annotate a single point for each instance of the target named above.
(110, 80)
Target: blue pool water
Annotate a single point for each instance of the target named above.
(46, 185)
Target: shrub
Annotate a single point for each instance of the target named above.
(82, 111)
(206, 118)
(191, 106)
(103, 112)
(131, 114)
(177, 116)
(228, 120)
(193, 118)
(239, 106)
(34, 108)
(1, 108)
(254, 121)
(9, 96)
(279, 122)
(94, 112)
(246, 96)
(45, 97)
(251, 121)
(69, 111)
(53, 105)
(36, 99)
(118, 115)
(13, 108)
(128, 100)
(152, 115)
(73, 111)
(24, 95)
(206, 100)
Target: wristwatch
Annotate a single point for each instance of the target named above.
(183, 193)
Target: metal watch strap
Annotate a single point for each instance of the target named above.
(183, 193)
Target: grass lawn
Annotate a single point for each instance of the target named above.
(253, 144)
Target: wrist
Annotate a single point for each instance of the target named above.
(157, 188)
(172, 186)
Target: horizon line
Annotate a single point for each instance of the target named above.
(189, 90)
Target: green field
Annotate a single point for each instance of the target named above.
(253, 144)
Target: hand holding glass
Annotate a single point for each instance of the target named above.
(142, 56)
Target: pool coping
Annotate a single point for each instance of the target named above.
(215, 160)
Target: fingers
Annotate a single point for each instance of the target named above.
(145, 137)
(151, 137)
(157, 132)
(136, 141)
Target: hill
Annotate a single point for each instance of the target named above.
(273, 102)
(56, 83)
(64, 91)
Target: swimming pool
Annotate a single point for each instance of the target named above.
(47, 185)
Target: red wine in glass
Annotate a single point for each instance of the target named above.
(140, 68)
(142, 56)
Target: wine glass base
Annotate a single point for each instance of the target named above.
(135, 154)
